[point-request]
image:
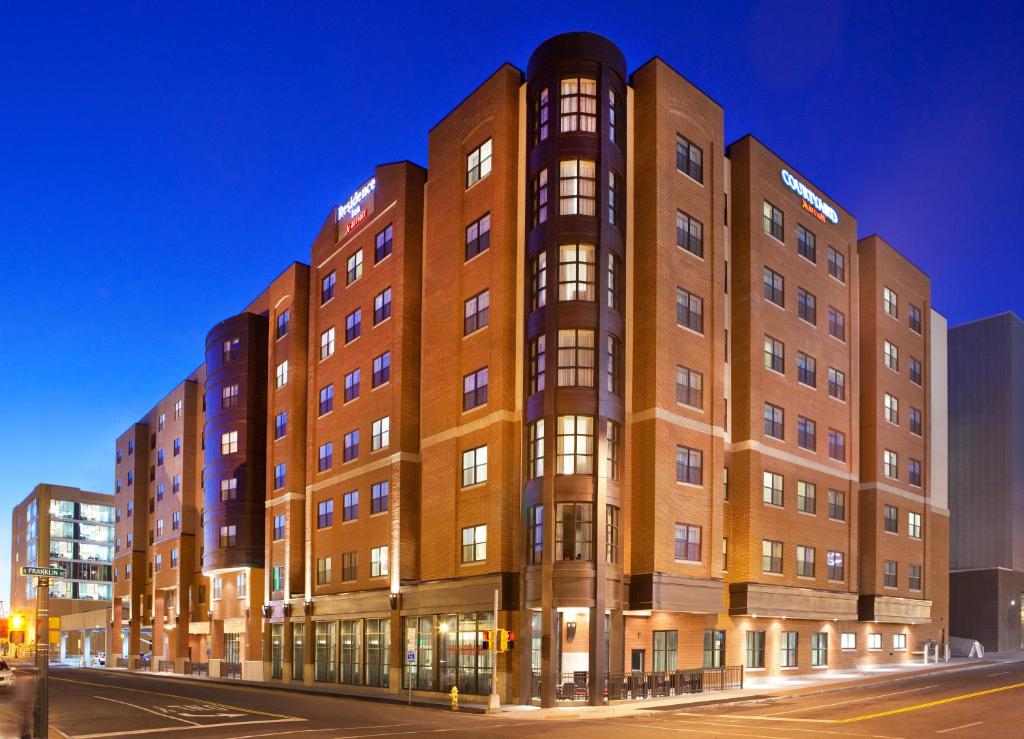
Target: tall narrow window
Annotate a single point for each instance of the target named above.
(354, 267)
(383, 244)
(575, 445)
(689, 465)
(476, 312)
(773, 221)
(806, 433)
(614, 437)
(541, 114)
(282, 327)
(689, 234)
(806, 497)
(478, 163)
(382, 306)
(611, 526)
(689, 310)
(474, 389)
(806, 306)
(535, 450)
(380, 436)
(804, 561)
(774, 287)
(474, 543)
(836, 384)
(353, 325)
(774, 355)
(772, 488)
(351, 447)
(327, 287)
(478, 236)
(806, 370)
(836, 566)
(326, 399)
(535, 534)
(577, 188)
(614, 117)
(890, 302)
(837, 264)
(540, 197)
(837, 445)
(836, 324)
(689, 159)
(614, 288)
(574, 531)
(579, 105)
(577, 272)
(381, 369)
(474, 466)
(352, 380)
(773, 421)
(806, 244)
(689, 387)
(379, 494)
(539, 280)
(771, 556)
(687, 542)
(537, 364)
(327, 343)
(616, 216)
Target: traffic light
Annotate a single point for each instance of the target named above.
(3, 627)
(502, 641)
(510, 640)
(486, 638)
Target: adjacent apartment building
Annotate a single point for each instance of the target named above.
(61, 526)
(649, 393)
(986, 413)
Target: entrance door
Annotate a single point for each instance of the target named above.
(636, 660)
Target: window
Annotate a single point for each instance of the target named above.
(805, 244)
(474, 543)
(541, 113)
(874, 641)
(914, 577)
(899, 642)
(892, 409)
(804, 561)
(891, 516)
(806, 433)
(232, 349)
(806, 497)
(689, 234)
(478, 163)
(614, 291)
(577, 189)
(576, 272)
(689, 310)
(160, 458)
(575, 445)
(326, 399)
(689, 159)
(889, 302)
(354, 267)
(228, 536)
(281, 425)
(616, 198)
(176, 484)
(836, 324)
(836, 566)
(383, 244)
(474, 466)
(352, 380)
(158, 562)
(613, 373)
(836, 384)
(351, 449)
(774, 287)
(240, 584)
(773, 221)
(277, 578)
(381, 369)
(890, 578)
(665, 650)
(837, 505)
(774, 354)
(160, 491)
(174, 558)
(915, 371)
(806, 370)
(574, 531)
(323, 571)
(537, 364)
(476, 312)
(837, 264)
(380, 434)
(229, 442)
(689, 465)
(478, 236)
(474, 389)
(160, 528)
(279, 476)
(913, 525)
(773, 421)
(350, 506)
(755, 650)
(725, 553)
(771, 556)
(535, 449)
(353, 325)
(382, 306)
(914, 318)
(579, 105)
(788, 653)
(891, 356)
(806, 306)
(890, 464)
(327, 288)
(379, 561)
(687, 542)
(575, 357)
(611, 531)
(837, 445)
(539, 280)
(179, 409)
(279, 522)
(915, 421)
(535, 534)
(325, 457)
(379, 493)
(819, 649)
(539, 198)
(282, 375)
(689, 387)
(614, 114)
(325, 513)
(771, 484)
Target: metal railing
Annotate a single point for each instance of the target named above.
(634, 686)
(197, 668)
(231, 669)
(122, 662)
(165, 665)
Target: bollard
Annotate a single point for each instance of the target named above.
(455, 698)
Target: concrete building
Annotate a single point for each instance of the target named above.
(61, 526)
(639, 386)
(986, 415)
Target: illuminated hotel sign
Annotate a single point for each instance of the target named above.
(354, 210)
(813, 203)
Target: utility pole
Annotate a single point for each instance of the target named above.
(493, 700)
(43, 575)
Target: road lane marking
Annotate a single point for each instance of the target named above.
(147, 710)
(336, 728)
(956, 728)
(816, 731)
(165, 729)
(854, 700)
(997, 674)
(931, 704)
(687, 731)
(741, 717)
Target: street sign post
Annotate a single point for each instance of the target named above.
(43, 575)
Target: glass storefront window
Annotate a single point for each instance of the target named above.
(377, 643)
(325, 649)
(232, 648)
(350, 648)
(298, 653)
(276, 651)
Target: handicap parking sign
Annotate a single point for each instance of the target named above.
(410, 656)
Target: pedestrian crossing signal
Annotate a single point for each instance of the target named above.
(486, 639)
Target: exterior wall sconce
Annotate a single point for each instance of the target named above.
(570, 631)
(307, 607)
(287, 609)
(267, 610)
(396, 600)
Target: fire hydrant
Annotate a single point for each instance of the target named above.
(455, 698)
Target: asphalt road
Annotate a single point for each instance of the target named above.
(89, 704)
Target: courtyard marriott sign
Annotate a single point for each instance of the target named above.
(812, 201)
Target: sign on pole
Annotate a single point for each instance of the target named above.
(27, 571)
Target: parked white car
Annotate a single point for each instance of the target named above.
(6, 676)
(99, 659)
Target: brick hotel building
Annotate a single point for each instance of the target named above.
(650, 388)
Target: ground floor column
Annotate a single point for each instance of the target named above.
(288, 657)
(548, 656)
(308, 650)
(396, 652)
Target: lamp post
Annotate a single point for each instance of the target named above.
(43, 575)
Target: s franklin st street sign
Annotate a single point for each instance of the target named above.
(43, 571)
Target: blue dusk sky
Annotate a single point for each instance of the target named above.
(160, 162)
